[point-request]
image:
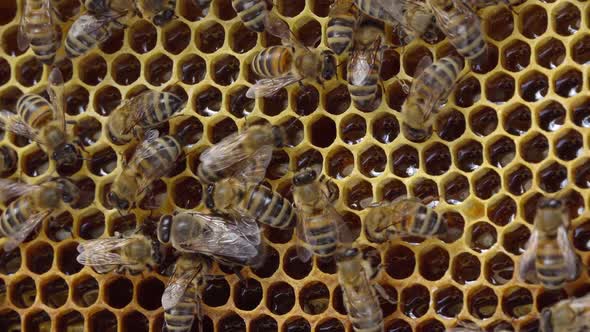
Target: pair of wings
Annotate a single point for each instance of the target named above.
(139, 110)
(14, 123)
(362, 62)
(431, 104)
(22, 40)
(527, 270)
(448, 24)
(99, 253)
(181, 280)
(228, 156)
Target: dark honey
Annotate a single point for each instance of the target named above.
(149, 293)
(360, 195)
(482, 303)
(126, 69)
(226, 70)
(569, 83)
(187, 193)
(551, 53)
(276, 103)
(222, 129)
(574, 203)
(390, 65)
(4, 71)
(330, 325)
(159, 70)
(307, 99)
(372, 161)
(23, 292)
(314, 298)
(467, 92)
(8, 11)
(142, 36)
(437, 159)
(92, 226)
(135, 321)
(448, 302)
(103, 162)
(177, 37)
(413, 57)
(294, 267)
(518, 120)
(552, 116)
(399, 262)
(114, 42)
(36, 163)
(405, 161)
(93, 70)
(519, 180)
(469, 157)
(77, 99)
(297, 325)
(353, 129)
(466, 268)
(499, 88)
(426, 190)
(553, 177)
(434, 263)
(242, 39)
(549, 297)
(483, 237)
(70, 321)
(9, 97)
(517, 302)
(59, 228)
(31, 71)
(9, 42)
(502, 211)
(456, 189)
(415, 301)
(499, 269)
(310, 158)
(499, 25)
(263, 323)
(190, 10)
(516, 56)
(40, 258)
(290, 8)
(55, 293)
(485, 62)
(515, 239)
(487, 184)
(104, 321)
(533, 21)
(323, 132)
(310, 33)
(38, 322)
(569, 146)
(567, 19)
(501, 152)
(483, 121)
(247, 294)
(85, 291)
(210, 38)
(581, 50)
(398, 325)
(385, 128)
(118, 293)
(280, 298)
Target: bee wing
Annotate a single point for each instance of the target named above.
(255, 167)
(98, 252)
(24, 230)
(145, 149)
(56, 95)
(13, 123)
(422, 64)
(362, 62)
(302, 252)
(277, 27)
(22, 41)
(11, 189)
(527, 270)
(269, 86)
(568, 253)
(176, 287)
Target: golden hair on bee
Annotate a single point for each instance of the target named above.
(566, 315)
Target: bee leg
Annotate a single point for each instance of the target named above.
(383, 294)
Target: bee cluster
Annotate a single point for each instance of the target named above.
(227, 233)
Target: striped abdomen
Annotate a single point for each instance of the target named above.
(466, 34)
(180, 317)
(340, 31)
(34, 110)
(8, 159)
(425, 222)
(252, 13)
(163, 154)
(82, 38)
(550, 263)
(17, 213)
(364, 94)
(369, 318)
(272, 61)
(375, 10)
(41, 33)
(158, 107)
(321, 234)
(268, 207)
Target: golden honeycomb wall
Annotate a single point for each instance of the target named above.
(514, 129)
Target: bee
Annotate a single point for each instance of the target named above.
(88, 31)
(320, 226)
(238, 198)
(466, 326)
(34, 204)
(132, 254)
(359, 297)
(431, 87)
(181, 298)
(159, 12)
(107, 7)
(406, 216)
(252, 13)
(566, 315)
(38, 30)
(8, 159)
(341, 26)
(477, 5)
(461, 26)
(230, 242)
(144, 111)
(153, 159)
(549, 257)
(44, 123)
(247, 153)
(364, 65)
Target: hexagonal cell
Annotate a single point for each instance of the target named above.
(553, 177)
(91, 226)
(337, 100)
(310, 158)
(54, 293)
(125, 69)
(209, 37)
(499, 269)
(225, 70)
(237, 103)
(469, 156)
(10, 261)
(330, 325)
(207, 101)
(92, 69)
(221, 130)
(533, 86)
(353, 129)
(263, 323)
(482, 302)
(569, 146)
(103, 320)
(519, 180)
(517, 302)
(425, 190)
(580, 50)
(39, 321)
(499, 24)
(437, 159)
(305, 99)
(290, 8)
(10, 43)
(415, 301)
(271, 262)
(412, 57)
(483, 121)
(85, 291)
(118, 292)
(551, 116)
(582, 174)
(487, 183)
(499, 88)
(114, 43)
(549, 297)
(385, 128)
(399, 262)
(158, 69)
(466, 268)
(71, 321)
(135, 321)
(550, 53)
(9, 96)
(308, 32)
(323, 132)
(574, 202)
(392, 189)
(487, 61)
(517, 120)
(36, 163)
(296, 324)
(566, 19)
(501, 152)
(532, 21)
(482, 236)
(23, 292)
(568, 83)
(247, 294)
(176, 36)
(359, 195)
(502, 211)
(223, 10)
(314, 298)
(515, 238)
(456, 188)
(143, 36)
(450, 125)
(29, 71)
(582, 236)
(390, 65)
(434, 263)
(294, 267)
(39, 257)
(77, 99)
(467, 92)
(187, 192)
(448, 302)
(405, 161)
(106, 100)
(66, 258)
(581, 112)
(280, 298)
(455, 224)
(241, 38)
(149, 293)
(396, 95)
(516, 56)
(340, 163)
(103, 162)
(372, 161)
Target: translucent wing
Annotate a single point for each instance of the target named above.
(99, 252)
(527, 270)
(255, 167)
(150, 8)
(422, 64)
(11, 189)
(363, 62)
(22, 41)
(176, 287)
(277, 27)
(141, 110)
(13, 123)
(24, 230)
(302, 251)
(269, 86)
(146, 148)
(568, 252)
(56, 95)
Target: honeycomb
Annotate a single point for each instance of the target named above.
(511, 132)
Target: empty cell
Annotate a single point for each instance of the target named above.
(581, 112)
(66, 258)
(517, 120)
(466, 268)
(125, 224)
(125, 69)
(405, 161)
(326, 264)
(280, 298)
(566, 19)
(263, 323)
(54, 293)
(353, 129)
(551, 116)
(532, 21)
(437, 159)
(106, 100)
(434, 263)
(149, 293)
(118, 292)
(482, 236)
(372, 161)
(516, 56)
(482, 302)
(306, 99)
(85, 291)
(469, 156)
(431, 325)
(581, 50)
(310, 158)
(30, 71)
(70, 321)
(276, 103)
(135, 321)
(4, 71)
(247, 294)
(450, 125)
(223, 9)
(340, 163)
(502, 211)
(294, 267)
(568, 83)
(225, 70)
(487, 183)
(77, 99)
(553, 177)
(39, 257)
(314, 298)
(499, 269)
(210, 37)
(396, 95)
(242, 39)
(519, 180)
(517, 302)
(448, 302)
(456, 189)
(290, 8)
(207, 101)
(569, 146)
(399, 262)
(550, 53)
(221, 130)
(515, 239)
(9, 96)
(385, 128)
(415, 301)
(323, 132)
(308, 32)
(499, 24)
(533, 86)
(501, 152)
(278, 166)
(271, 262)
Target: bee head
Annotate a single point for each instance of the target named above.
(164, 228)
(328, 65)
(416, 134)
(304, 177)
(65, 154)
(117, 202)
(164, 17)
(70, 193)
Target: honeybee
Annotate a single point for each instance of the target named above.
(144, 111)
(566, 315)
(281, 66)
(181, 298)
(159, 12)
(549, 257)
(34, 204)
(320, 226)
(132, 254)
(461, 26)
(231, 242)
(44, 123)
(88, 31)
(8, 159)
(252, 13)
(465, 326)
(153, 159)
(341, 26)
(413, 17)
(239, 198)
(107, 7)
(406, 216)
(428, 91)
(37, 29)
(359, 297)
(247, 154)
(364, 65)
